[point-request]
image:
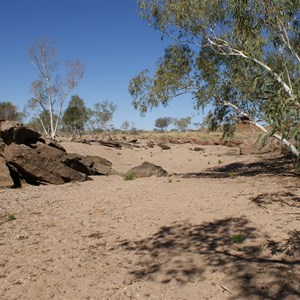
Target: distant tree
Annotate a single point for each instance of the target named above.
(103, 114)
(182, 124)
(125, 125)
(163, 123)
(75, 116)
(51, 90)
(8, 111)
(133, 128)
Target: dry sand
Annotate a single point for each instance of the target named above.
(156, 238)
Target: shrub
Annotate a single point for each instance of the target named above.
(128, 176)
(11, 217)
(238, 238)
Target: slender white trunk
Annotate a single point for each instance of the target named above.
(44, 128)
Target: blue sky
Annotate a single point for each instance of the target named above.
(108, 36)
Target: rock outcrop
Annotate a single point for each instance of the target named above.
(40, 166)
(26, 156)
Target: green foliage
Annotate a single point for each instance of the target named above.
(128, 176)
(11, 217)
(232, 174)
(170, 80)
(75, 116)
(238, 238)
(241, 57)
(9, 112)
(162, 123)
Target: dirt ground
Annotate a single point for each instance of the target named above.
(221, 226)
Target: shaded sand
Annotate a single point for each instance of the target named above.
(156, 238)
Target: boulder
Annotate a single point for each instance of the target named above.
(5, 177)
(98, 165)
(36, 166)
(48, 151)
(89, 165)
(99, 169)
(150, 144)
(14, 132)
(163, 146)
(73, 161)
(55, 144)
(90, 160)
(147, 169)
(2, 145)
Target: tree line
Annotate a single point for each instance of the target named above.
(181, 124)
(75, 118)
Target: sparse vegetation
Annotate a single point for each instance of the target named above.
(11, 217)
(128, 176)
(232, 175)
(238, 238)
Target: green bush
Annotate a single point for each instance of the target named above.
(128, 176)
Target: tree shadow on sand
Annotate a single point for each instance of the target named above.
(281, 198)
(284, 166)
(186, 252)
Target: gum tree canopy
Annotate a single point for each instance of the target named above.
(240, 56)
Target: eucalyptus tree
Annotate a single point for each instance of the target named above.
(125, 125)
(162, 123)
(8, 111)
(182, 124)
(76, 116)
(52, 88)
(103, 114)
(241, 56)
